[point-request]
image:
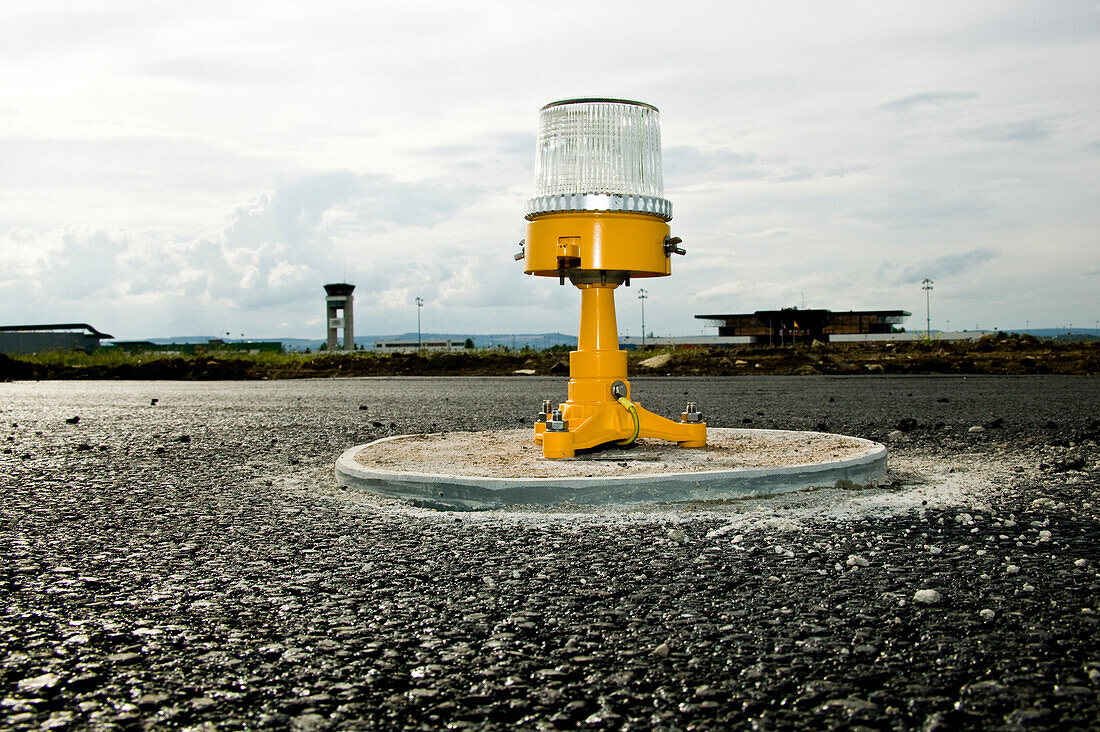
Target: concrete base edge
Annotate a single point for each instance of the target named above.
(469, 492)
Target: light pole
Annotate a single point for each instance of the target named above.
(419, 340)
(927, 287)
(642, 295)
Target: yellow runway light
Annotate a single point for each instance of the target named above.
(599, 218)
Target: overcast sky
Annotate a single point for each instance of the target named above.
(204, 167)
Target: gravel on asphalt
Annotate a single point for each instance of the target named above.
(181, 556)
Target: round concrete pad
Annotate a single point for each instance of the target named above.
(478, 470)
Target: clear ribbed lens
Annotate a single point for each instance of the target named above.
(599, 155)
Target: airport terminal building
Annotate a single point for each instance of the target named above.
(792, 325)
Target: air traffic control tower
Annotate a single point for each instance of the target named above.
(338, 314)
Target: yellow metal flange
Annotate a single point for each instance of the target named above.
(595, 241)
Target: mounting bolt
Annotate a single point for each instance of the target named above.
(691, 414)
(546, 409)
(672, 246)
(556, 423)
(618, 390)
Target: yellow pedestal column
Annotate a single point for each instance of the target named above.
(593, 414)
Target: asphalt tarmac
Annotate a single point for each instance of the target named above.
(179, 555)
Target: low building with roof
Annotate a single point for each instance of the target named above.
(406, 346)
(18, 340)
(213, 345)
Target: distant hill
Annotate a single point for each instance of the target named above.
(481, 340)
(540, 341)
(1063, 334)
(536, 341)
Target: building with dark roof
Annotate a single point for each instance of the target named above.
(23, 339)
(791, 325)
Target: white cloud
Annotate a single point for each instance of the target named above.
(168, 169)
(920, 100)
(947, 265)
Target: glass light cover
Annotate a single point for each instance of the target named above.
(599, 155)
